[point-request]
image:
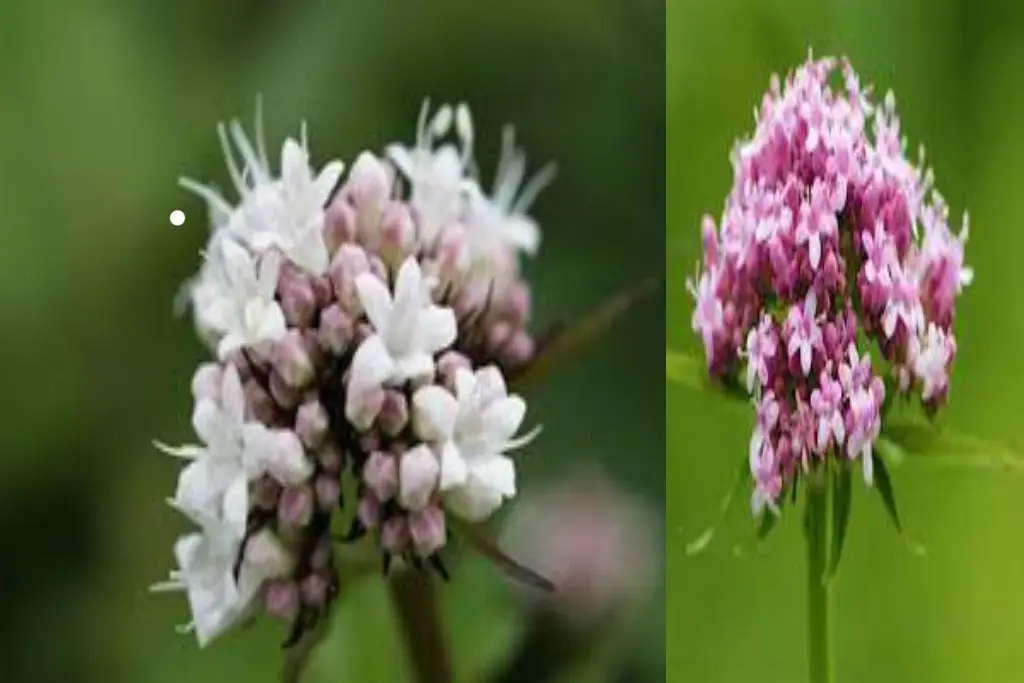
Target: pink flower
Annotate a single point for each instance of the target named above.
(761, 348)
(864, 425)
(804, 333)
(767, 419)
(708, 315)
(826, 402)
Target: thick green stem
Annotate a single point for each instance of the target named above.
(817, 528)
(414, 597)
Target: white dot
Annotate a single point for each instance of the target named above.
(177, 217)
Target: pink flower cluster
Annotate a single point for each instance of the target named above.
(831, 282)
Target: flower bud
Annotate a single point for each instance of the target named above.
(323, 553)
(380, 473)
(517, 303)
(328, 491)
(453, 252)
(448, 364)
(362, 408)
(336, 329)
(519, 349)
(298, 301)
(330, 458)
(266, 492)
(498, 336)
(349, 262)
(295, 509)
(339, 225)
(314, 589)
(368, 511)
(397, 232)
(394, 413)
(292, 361)
(311, 424)
(418, 471)
(427, 531)
(281, 599)
(394, 535)
(259, 405)
(284, 395)
(369, 183)
(206, 382)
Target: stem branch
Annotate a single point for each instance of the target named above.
(817, 528)
(414, 597)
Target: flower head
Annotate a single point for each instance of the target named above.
(831, 243)
(363, 343)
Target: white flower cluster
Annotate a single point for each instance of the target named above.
(360, 331)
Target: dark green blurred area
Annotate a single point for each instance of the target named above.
(956, 69)
(104, 104)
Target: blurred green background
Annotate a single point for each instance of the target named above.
(955, 66)
(104, 104)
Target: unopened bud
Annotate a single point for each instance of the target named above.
(336, 329)
(295, 509)
(368, 511)
(323, 553)
(311, 424)
(328, 491)
(397, 233)
(448, 365)
(394, 413)
(330, 458)
(380, 473)
(349, 262)
(284, 395)
(394, 535)
(498, 335)
(339, 224)
(517, 303)
(259, 405)
(427, 530)
(314, 590)
(369, 182)
(292, 361)
(281, 599)
(519, 349)
(298, 301)
(266, 492)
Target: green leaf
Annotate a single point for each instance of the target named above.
(768, 522)
(842, 490)
(926, 442)
(742, 479)
(883, 483)
(569, 341)
(684, 369)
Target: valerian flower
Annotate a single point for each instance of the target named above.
(360, 346)
(828, 289)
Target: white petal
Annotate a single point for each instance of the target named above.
(376, 301)
(414, 367)
(265, 559)
(498, 473)
(435, 329)
(502, 419)
(372, 365)
(409, 286)
(294, 160)
(465, 385)
(310, 249)
(454, 471)
(434, 412)
(490, 384)
(417, 477)
(238, 263)
(327, 180)
(232, 397)
(236, 504)
(265, 320)
(196, 493)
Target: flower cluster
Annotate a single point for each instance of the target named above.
(829, 286)
(363, 334)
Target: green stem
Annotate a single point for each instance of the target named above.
(414, 596)
(816, 529)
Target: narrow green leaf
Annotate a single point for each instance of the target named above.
(298, 656)
(768, 521)
(926, 442)
(685, 369)
(842, 499)
(741, 481)
(889, 451)
(569, 341)
(883, 483)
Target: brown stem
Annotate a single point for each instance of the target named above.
(414, 596)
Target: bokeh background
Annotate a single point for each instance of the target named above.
(104, 104)
(956, 615)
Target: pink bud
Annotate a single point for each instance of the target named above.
(284, 396)
(498, 335)
(394, 535)
(322, 554)
(427, 530)
(349, 262)
(265, 493)
(240, 359)
(339, 224)
(517, 303)
(380, 473)
(519, 349)
(298, 301)
(314, 590)
(295, 509)
(450, 363)
(394, 413)
(282, 599)
(323, 292)
(336, 329)
(397, 232)
(453, 250)
(311, 424)
(330, 458)
(371, 440)
(369, 182)
(368, 511)
(328, 490)
(259, 405)
(292, 362)
(206, 382)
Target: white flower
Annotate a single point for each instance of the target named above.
(472, 432)
(216, 483)
(206, 573)
(233, 297)
(409, 330)
(437, 176)
(286, 212)
(930, 357)
(417, 477)
(498, 227)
